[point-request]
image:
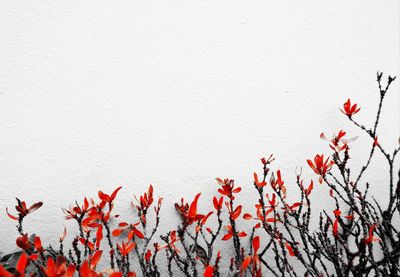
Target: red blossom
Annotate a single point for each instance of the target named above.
(23, 210)
(23, 242)
(77, 212)
(257, 182)
(58, 268)
(307, 191)
(144, 203)
(189, 213)
(228, 187)
(218, 203)
(349, 109)
(126, 247)
(337, 143)
(108, 198)
(19, 268)
(320, 166)
(267, 161)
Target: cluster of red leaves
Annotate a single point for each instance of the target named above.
(97, 217)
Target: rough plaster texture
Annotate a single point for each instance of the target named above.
(95, 94)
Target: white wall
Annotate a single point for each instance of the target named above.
(175, 93)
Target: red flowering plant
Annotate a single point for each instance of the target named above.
(280, 236)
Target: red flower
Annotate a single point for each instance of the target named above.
(86, 270)
(337, 140)
(126, 247)
(77, 212)
(23, 242)
(257, 182)
(189, 213)
(349, 109)
(228, 187)
(23, 210)
(20, 267)
(144, 203)
(320, 166)
(108, 198)
(58, 268)
(307, 191)
(218, 203)
(267, 161)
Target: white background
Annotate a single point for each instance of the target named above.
(95, 94)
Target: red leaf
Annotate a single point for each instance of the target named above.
(22, 263)
(290, 249)
(209, 271)
(114, 194)
(117, 232)
(204, 220)
(247, 216)
(38, 244)
(96, 258)
(193, 207)
(138, 233)
(336, 227)
(218, 203)
(236, 213)
(246, 262)
(10, 215)
(99, 236)
(70, 270)
(310, 188)
(227, 236)
(256, 244)
(147, 256)
(35, 206)
(116, 274)
(64, 234)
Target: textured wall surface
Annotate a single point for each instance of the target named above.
(175, 93)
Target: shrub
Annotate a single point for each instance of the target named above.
(358, 238)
